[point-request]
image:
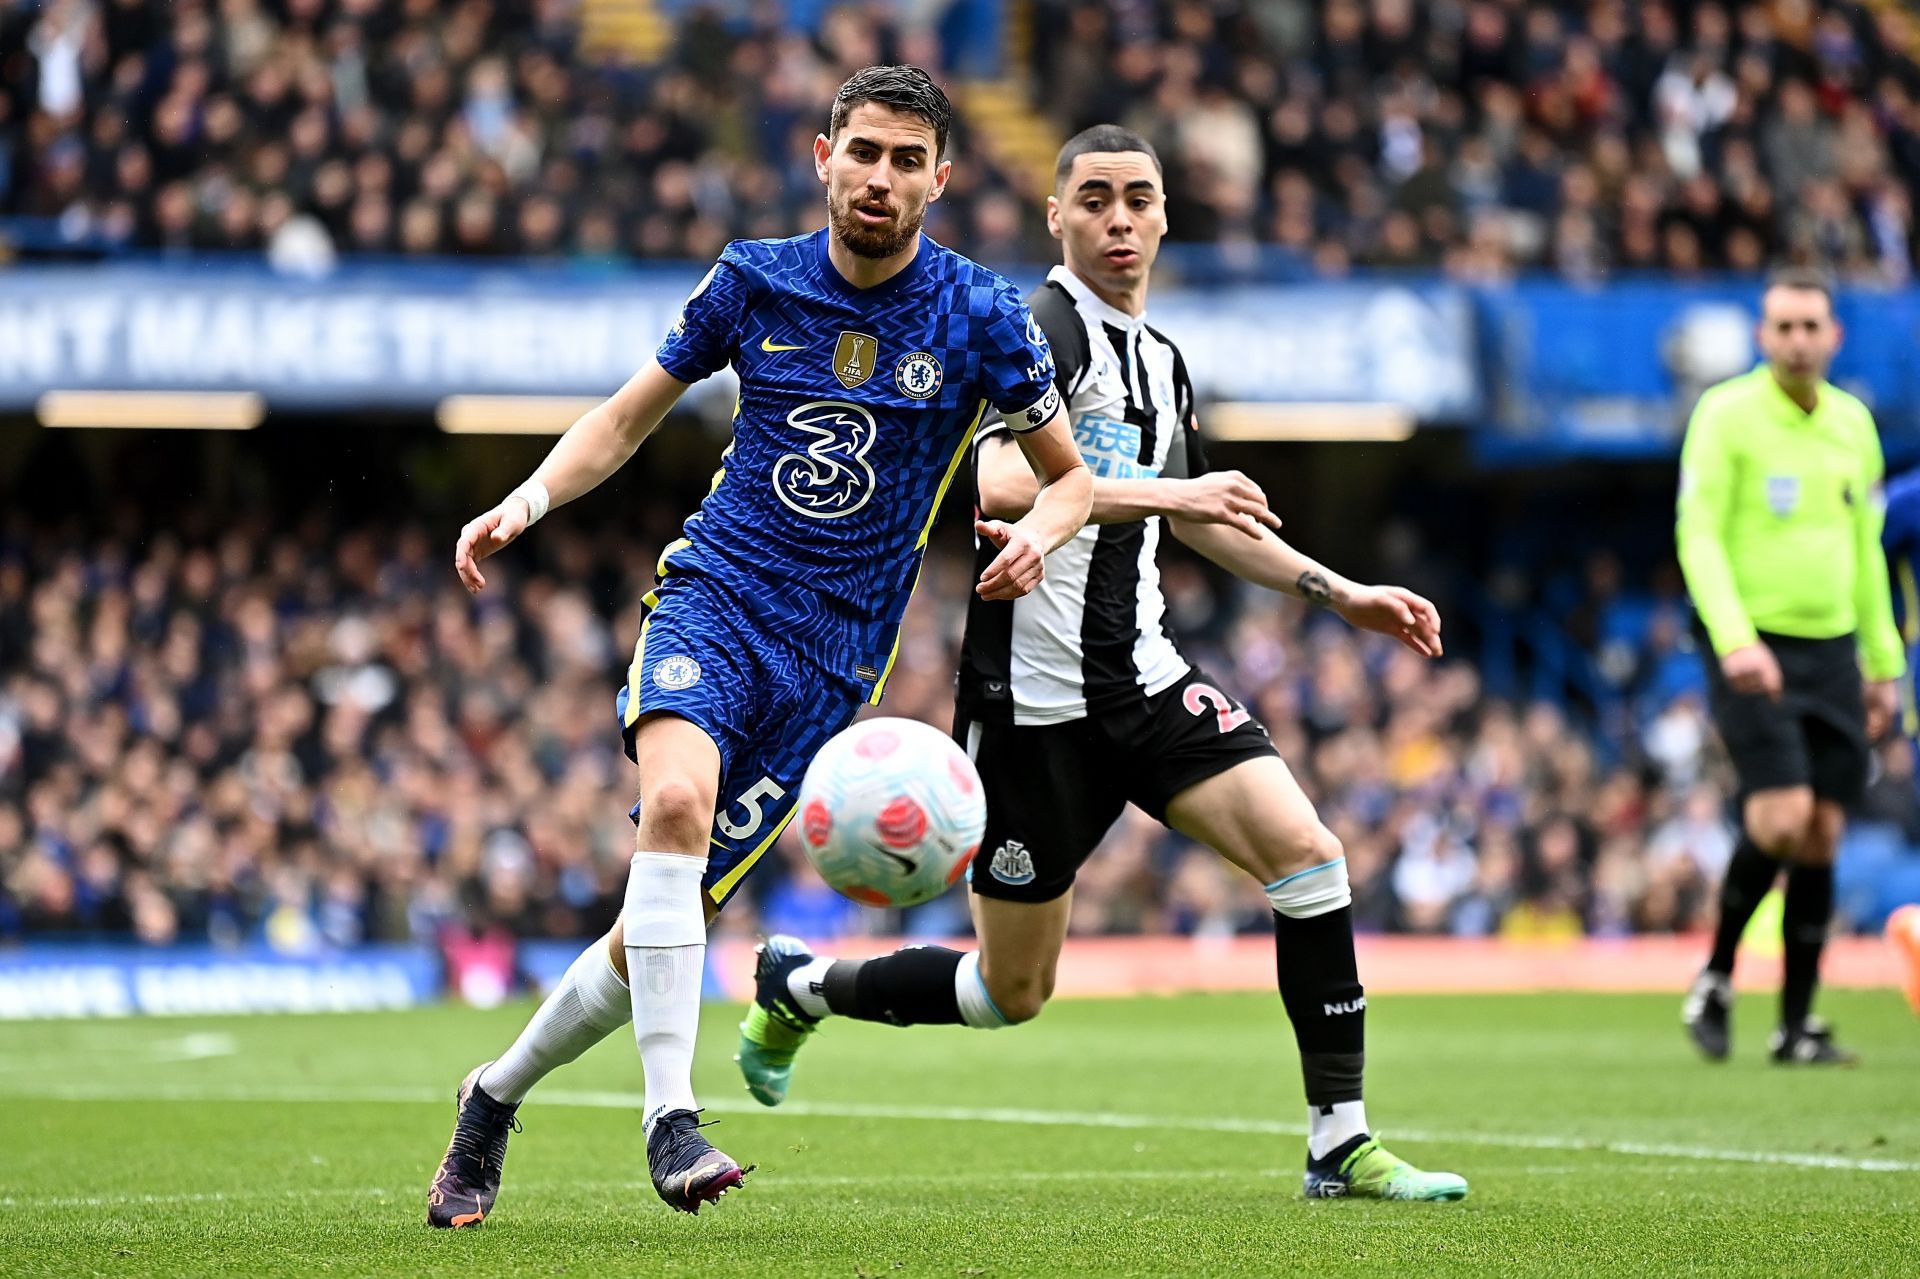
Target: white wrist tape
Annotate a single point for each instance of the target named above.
(534, 494)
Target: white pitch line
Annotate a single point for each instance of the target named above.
(760, 1185)
(994, 1115)
(195, 1047)
(201, 1197)
(199, 1046)
(1254, 1127)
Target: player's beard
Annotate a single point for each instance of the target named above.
(865, 241)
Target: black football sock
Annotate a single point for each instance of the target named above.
(910, 987)
(1750, 874)
(1809, 909)
(1320, 986)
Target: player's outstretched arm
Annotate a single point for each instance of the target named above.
(1265, 560)
(593, 448)
(1059, 510)
(1008, 486)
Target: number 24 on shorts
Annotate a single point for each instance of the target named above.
(1199, 697)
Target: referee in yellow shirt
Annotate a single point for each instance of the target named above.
(1779, 536)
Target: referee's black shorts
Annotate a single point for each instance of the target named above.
(1814, 735)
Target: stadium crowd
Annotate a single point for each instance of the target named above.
(1477, 136)
(311, 735)
(308, 734)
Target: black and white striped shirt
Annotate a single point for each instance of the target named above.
(1093, 635)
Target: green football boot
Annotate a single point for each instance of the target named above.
(1364, 1169)
(776, 1025)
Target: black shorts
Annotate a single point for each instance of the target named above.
(1815, 735)
(1053, 790)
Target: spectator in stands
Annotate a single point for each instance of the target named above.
(1384, 133)
(309, 736)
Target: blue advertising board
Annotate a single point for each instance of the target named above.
(120, 981)
(400, 336)
(1538, 368)
(1616, 369)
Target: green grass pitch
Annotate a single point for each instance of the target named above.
(1137, 1137)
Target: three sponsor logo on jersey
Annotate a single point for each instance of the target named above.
(832, 478)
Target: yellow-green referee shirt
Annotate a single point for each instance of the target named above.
(1779, 520)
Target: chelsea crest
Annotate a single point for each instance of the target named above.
(676, 672)
(918, 376)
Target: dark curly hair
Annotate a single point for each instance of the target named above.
(905, 89)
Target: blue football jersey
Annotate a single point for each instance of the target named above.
(1900, 536)
(857, 407)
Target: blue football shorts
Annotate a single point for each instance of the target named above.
(768, 705)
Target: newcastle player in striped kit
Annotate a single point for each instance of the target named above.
(1074, 700)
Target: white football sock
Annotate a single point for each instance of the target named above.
(666, 961)
(1339, 1124)
(803, 984)
(589, 1004)
(970, 992)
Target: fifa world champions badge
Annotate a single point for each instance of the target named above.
(854, 356)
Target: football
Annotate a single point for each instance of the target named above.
(891, 812)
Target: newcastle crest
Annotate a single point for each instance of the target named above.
(1012, 863)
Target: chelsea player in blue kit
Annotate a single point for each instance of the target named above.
(1901, 541)
(868, 356)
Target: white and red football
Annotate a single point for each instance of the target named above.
(891, 812)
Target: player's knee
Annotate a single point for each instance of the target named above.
(1317, 846)
(1815, 852)
(1302, 849)
(1020, 1001)
(676, 812)
(1778, 840)
(1780, 825)
(1023, 1007)
(1821, 842)
(1018, 992)
(1315, 882)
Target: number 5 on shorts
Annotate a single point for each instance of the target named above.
(764, 789)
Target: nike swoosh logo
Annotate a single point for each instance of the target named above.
(768, 344)
(906, 864)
